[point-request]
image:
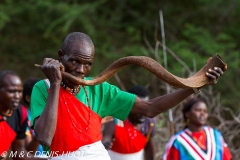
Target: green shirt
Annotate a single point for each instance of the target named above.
(105, 100)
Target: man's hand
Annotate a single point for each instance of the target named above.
(214, 74)
(52, 69)
(108, 144)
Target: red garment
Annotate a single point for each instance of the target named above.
(200, 138)
(77, 125)
(9, 130)
(7, 135)
(128, 139)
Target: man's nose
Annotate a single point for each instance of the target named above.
(203, 112)
(18, 95)
(80, 68)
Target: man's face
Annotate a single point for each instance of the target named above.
(78, 60)
(11, 92)
(198, 114)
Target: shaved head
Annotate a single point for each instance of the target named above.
(4, 73)
(76, 37)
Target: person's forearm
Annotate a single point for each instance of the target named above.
(150, 150)
(45, 125)
(160, 104)
(108, 132)
(163, 103)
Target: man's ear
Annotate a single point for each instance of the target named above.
(60, 54)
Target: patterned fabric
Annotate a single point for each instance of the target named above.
(128, 139)
(190, 150)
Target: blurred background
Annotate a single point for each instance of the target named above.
(193, 31)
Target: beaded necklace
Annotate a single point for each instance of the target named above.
(71, 117)
(73, 91)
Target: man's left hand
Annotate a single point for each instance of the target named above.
(214, 74)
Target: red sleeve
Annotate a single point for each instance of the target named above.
(226, 153)
(173, 154)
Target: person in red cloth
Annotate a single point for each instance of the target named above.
(67, 117)
(13, 117)
(196, 141)
(129, 139)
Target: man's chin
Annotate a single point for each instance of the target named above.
(14, 107)
(71, 84)
(80, 76)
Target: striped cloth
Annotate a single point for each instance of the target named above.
(190, 150)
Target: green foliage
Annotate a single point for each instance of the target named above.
(32, 30)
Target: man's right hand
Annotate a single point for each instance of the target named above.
(52, 69)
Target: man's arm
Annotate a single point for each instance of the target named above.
(45, 125)
(160, 104)
(108, 133)
(150, 149)
(18, 147)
